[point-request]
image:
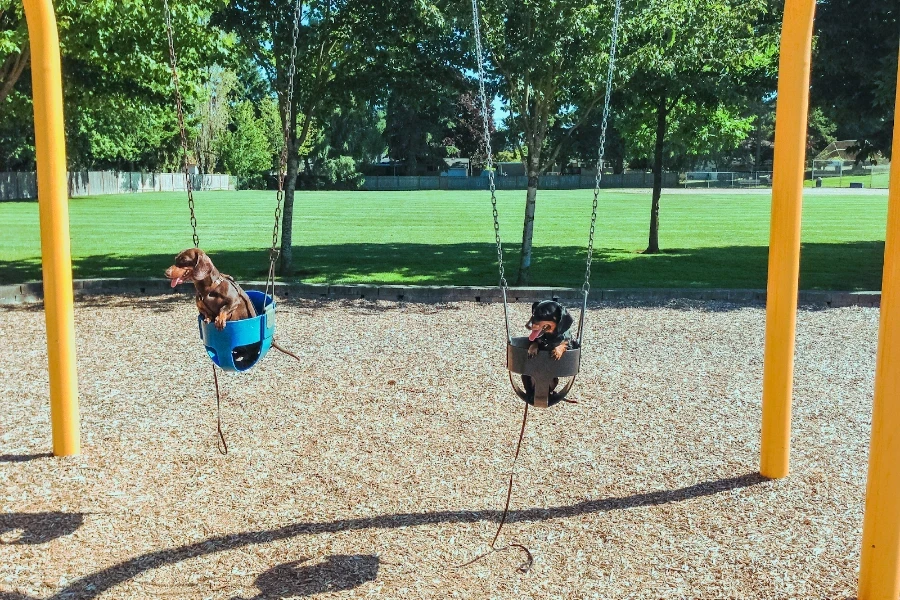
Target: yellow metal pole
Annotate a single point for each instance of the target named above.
(784, 240)
(879, 571)
(53, 206)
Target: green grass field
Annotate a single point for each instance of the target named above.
(709, 240)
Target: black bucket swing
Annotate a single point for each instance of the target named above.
(241, 344)
(545, 373)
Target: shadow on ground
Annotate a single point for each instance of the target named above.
(844, 266)
(96, 584)
(38, 528)
(23, 457)
(336, 574)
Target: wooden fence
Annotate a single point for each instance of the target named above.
(632, 179)
(23, 185)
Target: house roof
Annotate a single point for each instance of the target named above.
(457, 162)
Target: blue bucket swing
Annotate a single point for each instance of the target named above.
(240, 344)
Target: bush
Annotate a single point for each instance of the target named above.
(341, 173)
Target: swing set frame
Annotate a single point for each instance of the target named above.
(880, 559)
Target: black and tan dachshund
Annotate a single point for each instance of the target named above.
(550, 325)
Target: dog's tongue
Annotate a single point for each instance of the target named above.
(535, 334)
(176, 281)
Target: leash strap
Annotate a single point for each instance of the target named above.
(223, 448)
(529, 561)
(512, 473)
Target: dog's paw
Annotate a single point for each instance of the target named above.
(532, 350)
(220, 322)
(558, 352)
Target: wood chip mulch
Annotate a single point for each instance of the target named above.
(380, 463)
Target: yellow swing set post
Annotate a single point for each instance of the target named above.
(784, 241)
(879, 570)
(53, 206)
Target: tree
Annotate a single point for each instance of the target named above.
(341, 45)
(264, 29)
(350, 136)
(245, 149)
(693, 66)
(15, 53)
(465, 130)
(547, 58)
(420, 82)
(854, 72)
(116, 80)
(213, 115)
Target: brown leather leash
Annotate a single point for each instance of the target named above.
(223, 446)
(219, 416)
(525, 566)
(282, 350)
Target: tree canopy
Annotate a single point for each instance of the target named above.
(694, 87)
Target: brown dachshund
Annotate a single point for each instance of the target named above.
(219, 298)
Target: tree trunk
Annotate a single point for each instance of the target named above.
(758, 146)
(290, 184)
(412, 157)
(533, 168)
(12, 69)
(661, 114)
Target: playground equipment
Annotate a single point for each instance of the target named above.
(880, 560)
(241, 344)
(542, 368)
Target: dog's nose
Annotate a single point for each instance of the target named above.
(169, 272)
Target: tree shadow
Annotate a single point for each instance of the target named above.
(95, 584)
(39, 528)
(336, 574)
(846, 266)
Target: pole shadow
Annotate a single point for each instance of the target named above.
(15, 458)
(95, 584)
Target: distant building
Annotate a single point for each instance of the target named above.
(456, 167)
(510, 169)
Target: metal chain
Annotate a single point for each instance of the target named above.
(614, 37)
(504, 286)
(180, 110)
(602, 150)
(274, 252)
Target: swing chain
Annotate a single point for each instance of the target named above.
(487, 139)
(275, 252)
(602, 150)
(504, 286)
(179, 109)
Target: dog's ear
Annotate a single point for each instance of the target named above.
(203, 267)
(565, 322)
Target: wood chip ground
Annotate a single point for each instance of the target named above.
(380, 463)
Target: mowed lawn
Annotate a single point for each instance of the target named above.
(438, 238)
